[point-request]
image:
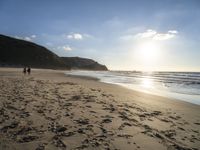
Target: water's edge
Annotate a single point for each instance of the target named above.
(185, 86)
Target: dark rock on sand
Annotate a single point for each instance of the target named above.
(27, 138)
(107, 120)
(58, 142)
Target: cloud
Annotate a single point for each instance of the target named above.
(157, 36)
(26, 38)
(151, 34)
(78, 36)
(146, 34)
(127, 37)
(65, 48)
(165, 36)
(33, 36)
(173, 31)
(17, 37)
(49, 44)
(87, 36)
(162, 36)
(75, 36)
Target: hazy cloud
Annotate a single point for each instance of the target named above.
(78, 36)
(26, 38)
(17, 37)
(146, 34)
(65, 48)
(87, 36)
(127, 37)
(151, 34)
(75, 36)
(157, 36)
(33, 36)
(162, 36)
(49, 44)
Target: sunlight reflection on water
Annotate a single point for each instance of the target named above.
(147, 83)
(179, 85)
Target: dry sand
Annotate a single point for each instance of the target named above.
(48, 110)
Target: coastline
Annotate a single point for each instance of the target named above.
(171, 85)
(78, 113)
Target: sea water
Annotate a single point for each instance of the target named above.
(178, 85)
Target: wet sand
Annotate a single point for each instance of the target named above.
(48, 110)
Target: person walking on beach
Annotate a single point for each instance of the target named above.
(24, 70)
(29, 70)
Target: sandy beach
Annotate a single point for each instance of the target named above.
(49, 110)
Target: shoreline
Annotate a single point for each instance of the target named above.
(53, 111)
(144, 85)
(134, 90)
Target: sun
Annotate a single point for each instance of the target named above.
(148, 53)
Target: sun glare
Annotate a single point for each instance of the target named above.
(148, 54)
(148, 51)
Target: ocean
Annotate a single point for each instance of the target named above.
(183, 86)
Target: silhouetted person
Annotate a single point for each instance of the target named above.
(24, 70)
(29, 70)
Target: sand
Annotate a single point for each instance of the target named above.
(48, 110)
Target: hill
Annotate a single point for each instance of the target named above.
(18, 53)
(83, 63)
(15, 52)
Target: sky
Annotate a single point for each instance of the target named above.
(148, 35)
